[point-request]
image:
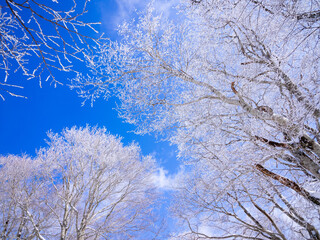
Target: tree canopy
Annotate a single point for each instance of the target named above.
(84, 185)
(235, 85)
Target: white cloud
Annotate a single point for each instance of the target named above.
(166, 181)
(205, 229)
(127, 9)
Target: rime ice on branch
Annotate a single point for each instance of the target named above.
(235, 85)
(39, 39)
(84, 185)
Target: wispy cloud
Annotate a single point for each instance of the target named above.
(165, 181)
(127, 9)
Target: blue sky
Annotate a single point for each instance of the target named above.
(25, 122)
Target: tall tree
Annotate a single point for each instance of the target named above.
(85, 185)
(22, 196)
(234, 84)
(241, 205)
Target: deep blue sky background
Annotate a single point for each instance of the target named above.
(24, 122)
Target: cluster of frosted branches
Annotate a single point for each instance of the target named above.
(84, 185)
(39, 39)
(235, 86)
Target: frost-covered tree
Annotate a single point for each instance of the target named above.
(22, 199)
(212, 204)
(84, 185)
(39, 38)
(232, 83)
